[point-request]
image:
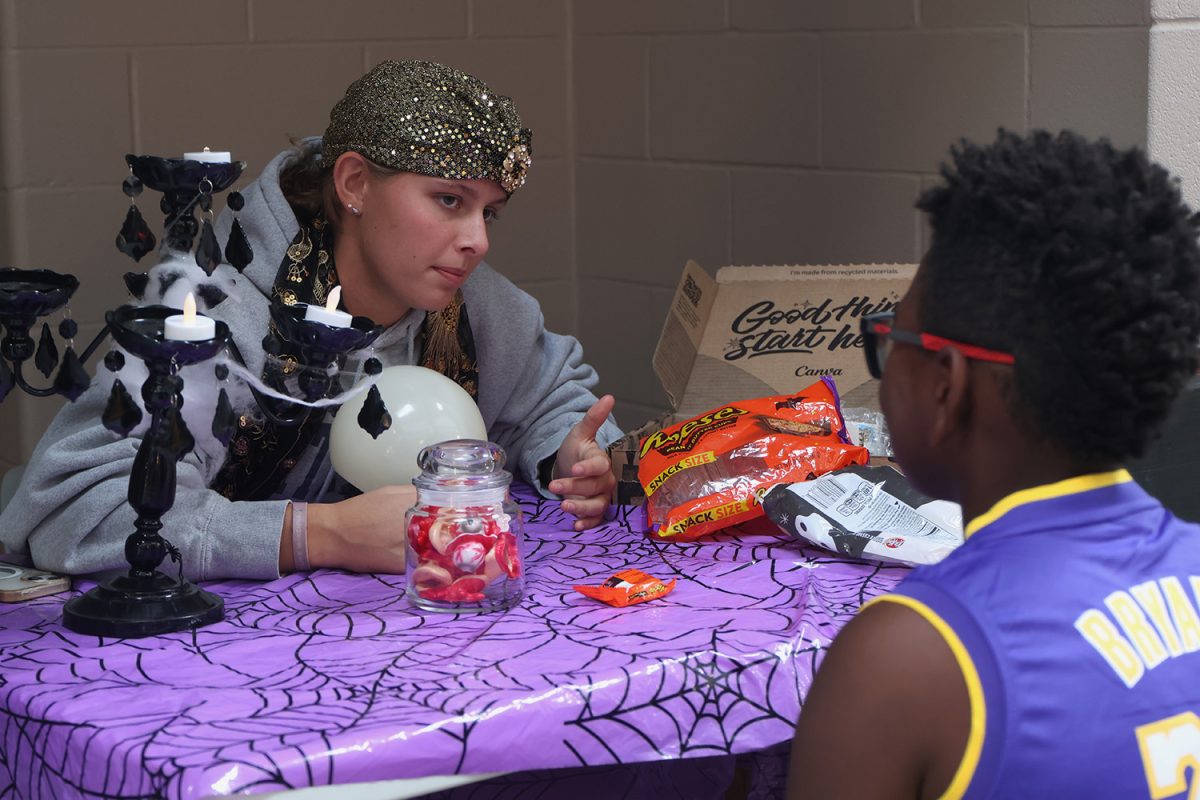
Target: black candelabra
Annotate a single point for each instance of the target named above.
(143, 600)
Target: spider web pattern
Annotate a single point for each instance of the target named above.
(331, 677)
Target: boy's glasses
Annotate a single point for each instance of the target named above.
(879, 334)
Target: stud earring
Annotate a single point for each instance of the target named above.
(353, 210)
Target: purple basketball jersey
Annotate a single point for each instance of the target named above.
(1073, 610)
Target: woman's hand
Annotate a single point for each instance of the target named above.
(361, 534)
(582, 472)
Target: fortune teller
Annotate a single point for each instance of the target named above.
(392, 204)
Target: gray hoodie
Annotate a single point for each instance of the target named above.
(70, 511)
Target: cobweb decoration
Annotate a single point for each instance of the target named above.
(332, 677)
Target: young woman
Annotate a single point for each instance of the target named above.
(392, 204)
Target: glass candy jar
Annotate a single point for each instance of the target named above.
(465, 536)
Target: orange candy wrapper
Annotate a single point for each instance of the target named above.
(708, 472)
(628, 587)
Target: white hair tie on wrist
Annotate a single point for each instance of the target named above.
(300, 537)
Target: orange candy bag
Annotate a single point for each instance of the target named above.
(628, 587)
(707, 473)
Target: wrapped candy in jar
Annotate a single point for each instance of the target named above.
(465, 536)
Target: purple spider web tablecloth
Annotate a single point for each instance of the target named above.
(333, 678)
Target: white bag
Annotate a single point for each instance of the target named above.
(867, 512)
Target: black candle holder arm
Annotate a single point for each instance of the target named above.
(94, 345)
(19, 378)
(27, 295)
(55, 387)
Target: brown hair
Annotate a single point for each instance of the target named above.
(308, 187)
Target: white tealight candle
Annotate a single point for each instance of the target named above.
(329, 315)
(189, 326)
(209, 156)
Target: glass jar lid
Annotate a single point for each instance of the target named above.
(462, 465)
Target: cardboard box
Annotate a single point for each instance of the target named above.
(758, 331)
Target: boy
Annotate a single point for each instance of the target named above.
(1056, 653)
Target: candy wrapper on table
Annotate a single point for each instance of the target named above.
(627, 588)
(707, 473)
(867, 512)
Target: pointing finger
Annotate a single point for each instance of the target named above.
(595, 417)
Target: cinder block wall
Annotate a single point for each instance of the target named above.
(787, 131)
(729, 131)
(1174, 93)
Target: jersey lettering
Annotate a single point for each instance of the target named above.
(1150, 598)
(1187, 622)
(1137, 628)
(1108, 641)
(1169, 748)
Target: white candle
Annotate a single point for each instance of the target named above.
(209, 156)
(329, 315)
(189, 326)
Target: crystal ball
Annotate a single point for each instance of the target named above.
(426, 408)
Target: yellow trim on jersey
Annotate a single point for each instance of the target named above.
(1082, 483)
(970, 760)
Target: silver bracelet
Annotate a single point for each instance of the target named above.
(300, 537)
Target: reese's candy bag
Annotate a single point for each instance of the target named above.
(707, 473)
(628, 587)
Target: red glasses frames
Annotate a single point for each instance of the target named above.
(879, 333)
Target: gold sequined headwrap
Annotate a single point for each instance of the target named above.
(427, 118)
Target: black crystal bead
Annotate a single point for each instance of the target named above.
(121, 414)
(238, 251)
(224, 420)
(373, 366)
(208, 252)
(7, 379)
(374, 417)
(136, 283)
(47, 352)
(71, 380)
(114, 360)
(135, 239)
(132, 186)
(221, 371)
(67, 328)
(235, 201)
(205, 201)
